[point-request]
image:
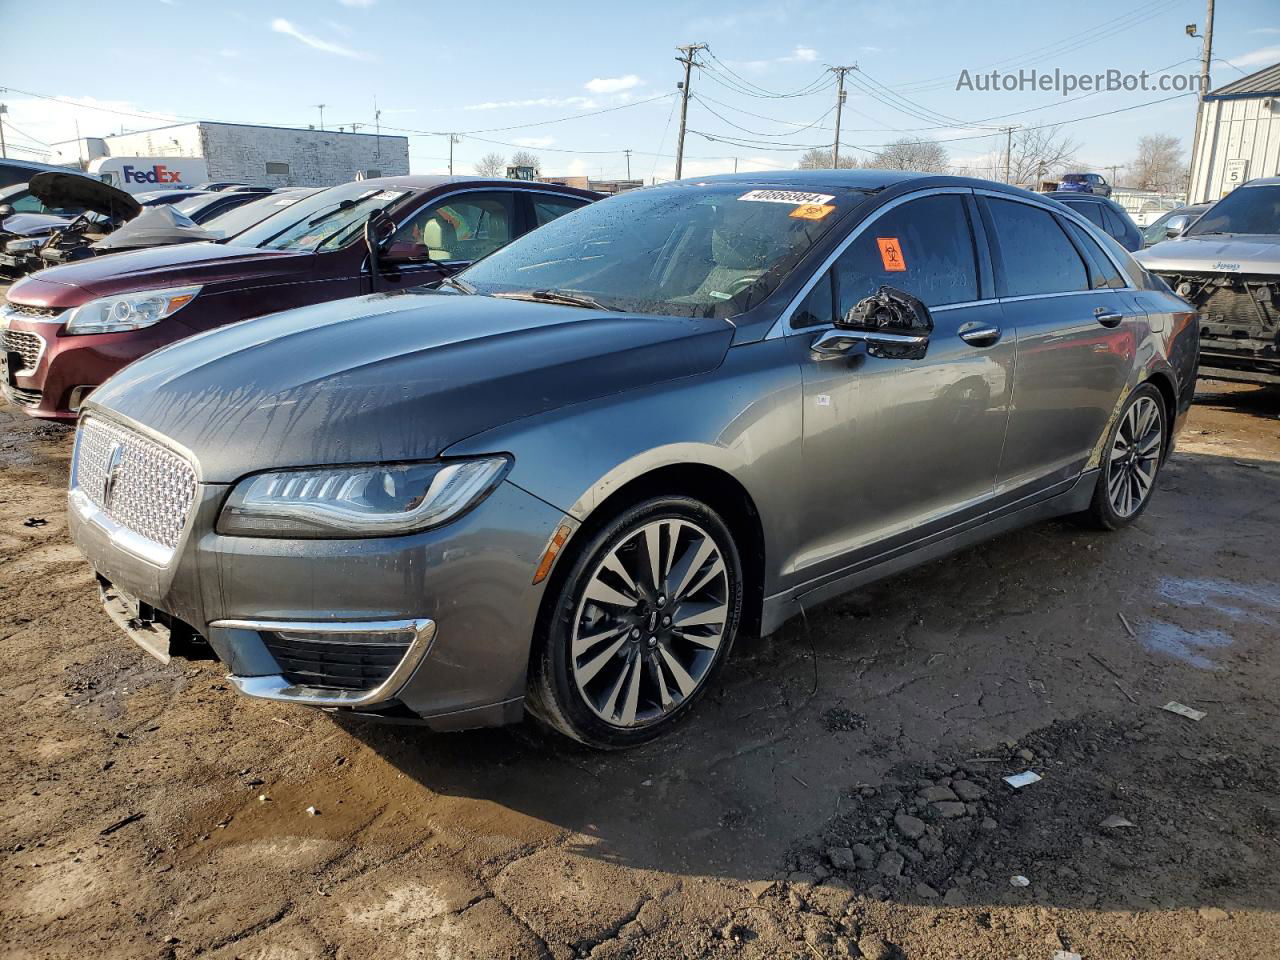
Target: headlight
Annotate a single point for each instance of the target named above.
(364, 501)
(129, 311)
(18, 246)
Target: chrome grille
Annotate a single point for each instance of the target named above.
(28, 346)
(144, 487)
(27, 310)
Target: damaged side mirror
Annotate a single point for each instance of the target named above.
(6, 210)
(891, 324)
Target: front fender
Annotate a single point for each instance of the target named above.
(743, 419)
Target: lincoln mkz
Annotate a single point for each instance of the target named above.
(564, 482)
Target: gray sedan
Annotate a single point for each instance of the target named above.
(567, 480)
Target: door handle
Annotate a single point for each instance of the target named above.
(1108, 318)
(979, 334)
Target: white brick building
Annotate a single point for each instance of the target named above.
(276, 156)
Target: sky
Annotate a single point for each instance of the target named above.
(578, 83)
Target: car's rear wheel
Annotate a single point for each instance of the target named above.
(1131, 460)
(640, 626)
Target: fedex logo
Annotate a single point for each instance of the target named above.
(157, 174)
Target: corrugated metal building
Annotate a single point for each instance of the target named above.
(1239, 135)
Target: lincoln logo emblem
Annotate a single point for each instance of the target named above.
(112, 475)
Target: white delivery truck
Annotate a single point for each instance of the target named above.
(140, 174)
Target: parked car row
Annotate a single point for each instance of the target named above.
(563, 479)
(59, 217)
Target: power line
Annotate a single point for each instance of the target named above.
(799, 127)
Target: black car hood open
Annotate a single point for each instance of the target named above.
(154, 227)
(76, 190)
(392, 377)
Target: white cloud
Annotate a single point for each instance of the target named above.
(45, 130)
(357, 3)
(612, 84)
(281, 25)
(581, 103)
(801, 54)
(534, 143)
(1264, 56)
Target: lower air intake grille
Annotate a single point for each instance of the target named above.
(339, 661)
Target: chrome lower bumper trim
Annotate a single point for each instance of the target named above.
(154, 553)
(277, 687)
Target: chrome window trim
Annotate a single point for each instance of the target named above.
(782, 326)
(1080, 220)
(277, 687)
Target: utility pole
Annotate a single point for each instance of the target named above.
(628, 153)
(320, 107)
(4, 152)
(735, 164)
(1008, 151)
(1113, 168)
(840, 98)
(453, 138)
(690, 51)
(1206, 56)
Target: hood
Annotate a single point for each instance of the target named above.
(77, 190)
(33, 224)
(154, 227)
(389, 377)
(167, 266)
(1225, 253)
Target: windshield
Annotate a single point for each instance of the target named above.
(324, 220)
(1073, 178)
(691, 250)
(1243, 210)
(240, 218)
(193, 204)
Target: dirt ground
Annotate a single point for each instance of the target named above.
(839, 795)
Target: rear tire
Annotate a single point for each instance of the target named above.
(1131, 461)
(641, 624)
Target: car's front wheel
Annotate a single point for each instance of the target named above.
(1131, 460)
(641, 624)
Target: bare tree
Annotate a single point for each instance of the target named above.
(1158, 165)
(819, 158)
(1039, 153)
(523, 158)
(926, 156)
(492, 165)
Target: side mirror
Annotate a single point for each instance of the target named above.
(6, 210)
(890, 323)
(1176, 226)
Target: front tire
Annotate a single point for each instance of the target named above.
(641, 624)
(1131, 461)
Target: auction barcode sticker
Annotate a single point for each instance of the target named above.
(793, 197)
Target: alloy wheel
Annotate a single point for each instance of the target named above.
(1135, 457)
(650, 622)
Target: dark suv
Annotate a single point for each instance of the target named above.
(1085, 183)
(66, 329)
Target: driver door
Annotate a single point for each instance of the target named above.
(445, 236)
(898, 449)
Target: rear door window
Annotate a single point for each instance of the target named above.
(465, 227)
(1035, 254)
(1091, 211)
(1102, 272)
(546, 209)
(924, 247)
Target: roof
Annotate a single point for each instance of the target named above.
(427, 181)
(255, 126)
(854, 179)
(1264, 83)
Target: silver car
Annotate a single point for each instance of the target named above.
(567, 480)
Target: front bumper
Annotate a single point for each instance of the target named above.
(466, 589)
(71, 367)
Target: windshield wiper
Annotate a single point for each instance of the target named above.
(459, 284)
(555, 296)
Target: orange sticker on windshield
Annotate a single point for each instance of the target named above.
(891, 254)
(812, 211)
